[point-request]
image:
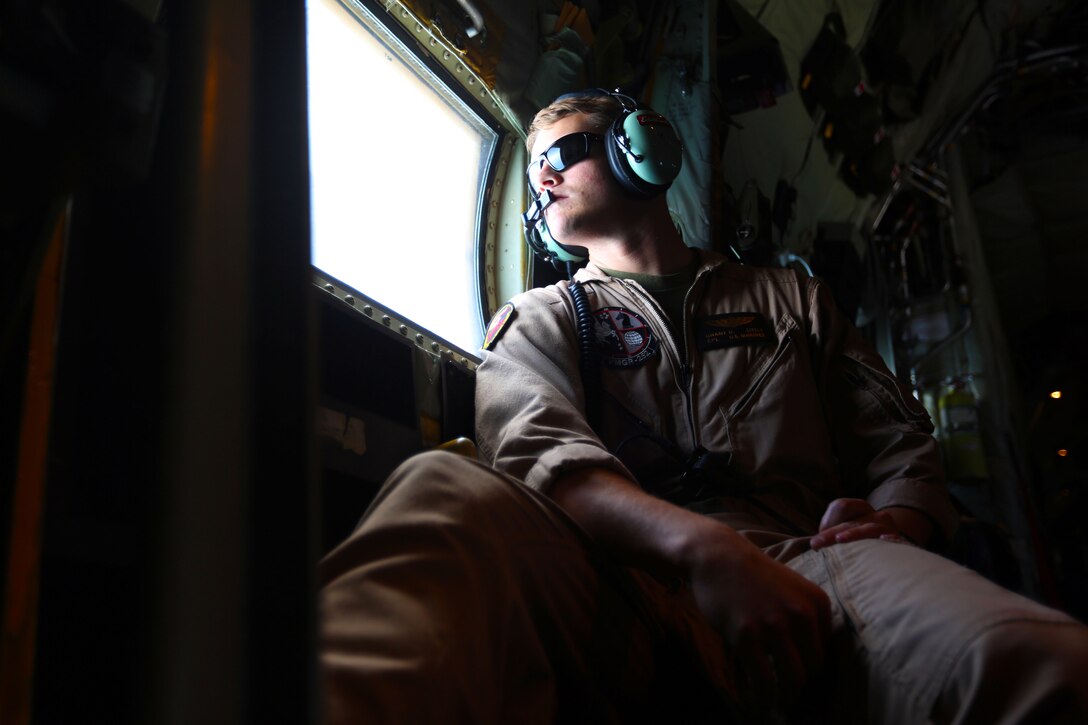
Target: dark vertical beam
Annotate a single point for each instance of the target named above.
(237, 617)
(283, 510)
(201, 664)
(21, 585)
(179, 531)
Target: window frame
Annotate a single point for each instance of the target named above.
(393, 27)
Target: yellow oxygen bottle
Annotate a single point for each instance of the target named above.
(964, 454)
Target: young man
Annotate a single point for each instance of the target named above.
(723, 517)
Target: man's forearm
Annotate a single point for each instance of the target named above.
(638, 528)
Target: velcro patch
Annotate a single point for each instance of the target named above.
(498, 324)
(623, 338)
(733, 329)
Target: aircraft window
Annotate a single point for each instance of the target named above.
(398, 165)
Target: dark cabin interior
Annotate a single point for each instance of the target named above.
(167, 355)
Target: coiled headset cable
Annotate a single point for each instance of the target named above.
(588, 363)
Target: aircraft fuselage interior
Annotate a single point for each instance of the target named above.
(250, 251)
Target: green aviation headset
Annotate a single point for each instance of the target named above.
(644, 155)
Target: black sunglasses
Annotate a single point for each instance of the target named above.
(562, 154)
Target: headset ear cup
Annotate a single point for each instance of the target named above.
(650, 136)
(621, 168)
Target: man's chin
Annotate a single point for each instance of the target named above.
(558, 227)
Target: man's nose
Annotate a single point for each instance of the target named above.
(548, 177)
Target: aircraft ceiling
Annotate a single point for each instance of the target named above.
(999, 84)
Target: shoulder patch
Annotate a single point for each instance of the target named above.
(498, 324)
(623, 338)
(733, 329)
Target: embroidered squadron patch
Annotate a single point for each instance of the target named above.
(498, 324)
(623, 338)
(733, 329)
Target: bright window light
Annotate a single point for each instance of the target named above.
(397, 165)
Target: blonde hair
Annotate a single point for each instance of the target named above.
(600, 111)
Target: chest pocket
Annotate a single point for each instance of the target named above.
(777, 420)
(764, 371)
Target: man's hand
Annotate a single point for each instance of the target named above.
(775, 621)
(853, 519)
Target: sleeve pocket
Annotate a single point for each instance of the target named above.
(880, 395)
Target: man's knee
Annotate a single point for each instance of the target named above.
(443, 467)
(437, 478)
(460, 492)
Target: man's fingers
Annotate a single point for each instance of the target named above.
(816, 632)
(877, 525)
(791, 671)
(861, 531)
(832, 535)
(780, 655)
(753, 661)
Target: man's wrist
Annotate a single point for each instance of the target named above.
(914, 526)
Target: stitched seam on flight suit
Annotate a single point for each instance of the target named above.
(853, 620)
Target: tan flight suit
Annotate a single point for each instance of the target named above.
(466, 596)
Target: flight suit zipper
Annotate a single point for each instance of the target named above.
(680, 357)
(689, 366)
(765, 373)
